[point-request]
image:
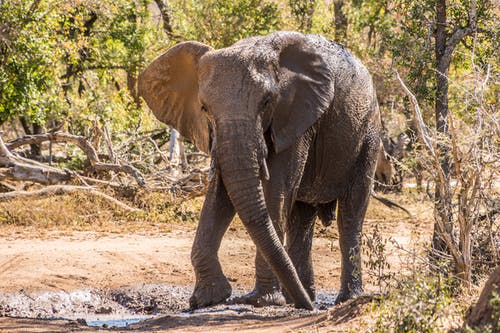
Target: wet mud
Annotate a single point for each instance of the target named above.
(139, 305)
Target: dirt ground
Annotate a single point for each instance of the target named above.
(61, 281)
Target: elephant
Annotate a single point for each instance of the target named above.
(292, 124)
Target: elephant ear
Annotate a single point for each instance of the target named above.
(305, 90)
(169, 85)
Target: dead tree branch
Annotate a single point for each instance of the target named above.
(18, 168)
(84, 145)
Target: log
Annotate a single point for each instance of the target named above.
(80, 141)
(18, 168)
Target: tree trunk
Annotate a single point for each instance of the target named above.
(32, 129)
(483, 313)
(164, 8)
(340, 21)
(443, 60)
(132, 87)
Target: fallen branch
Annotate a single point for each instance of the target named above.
(83, 144)
(18, 168)
(65, 189)
(7, 186)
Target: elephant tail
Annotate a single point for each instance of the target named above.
(389, 203)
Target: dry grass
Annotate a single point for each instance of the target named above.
(84, 212)
(162, 210)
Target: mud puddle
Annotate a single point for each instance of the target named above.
(134, 305)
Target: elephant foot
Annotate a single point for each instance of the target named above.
(210, 292)
(347, 295)
(260, 299)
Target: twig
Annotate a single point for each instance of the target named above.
(109, 144)
(422, 129)
(155, 146)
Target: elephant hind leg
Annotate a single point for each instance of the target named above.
(351, 214)
(267, 289)
(298, 242)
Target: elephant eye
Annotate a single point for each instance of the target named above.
(203, 108)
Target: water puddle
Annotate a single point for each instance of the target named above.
(114, 322)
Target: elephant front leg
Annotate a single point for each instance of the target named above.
(211, 286)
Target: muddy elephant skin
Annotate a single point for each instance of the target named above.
(292, 125)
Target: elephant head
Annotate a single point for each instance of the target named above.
(260, 91)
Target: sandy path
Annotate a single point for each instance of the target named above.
(87, 259)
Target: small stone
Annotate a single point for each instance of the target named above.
(81, 321)
(104, 310)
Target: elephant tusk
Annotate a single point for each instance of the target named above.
(264, 169)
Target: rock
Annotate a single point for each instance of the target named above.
(104, 310)
(81, 321)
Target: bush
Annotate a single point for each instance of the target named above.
(420, 304)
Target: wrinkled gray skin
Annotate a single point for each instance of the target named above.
(294, 128)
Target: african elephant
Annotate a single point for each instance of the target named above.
(292, 125)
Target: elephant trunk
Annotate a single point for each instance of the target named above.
(241, 169)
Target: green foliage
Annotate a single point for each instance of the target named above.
(220, 23)
(72, 60)
(303, 11)
(374, 249)
(28, 82)
(373, 19)
(420, 304)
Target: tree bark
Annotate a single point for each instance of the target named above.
(340, 21)
(445, 44)
(31, 129)
(164, 8)
(132, 87)
(43, 174)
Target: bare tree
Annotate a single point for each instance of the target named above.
(470, 198)
(445, 44)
